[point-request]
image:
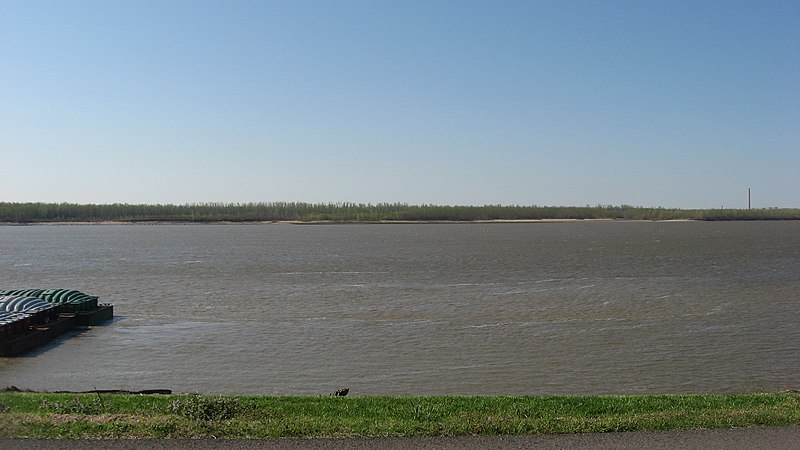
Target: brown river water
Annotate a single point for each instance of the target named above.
(516, 309)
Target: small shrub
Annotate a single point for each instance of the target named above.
(206, 409)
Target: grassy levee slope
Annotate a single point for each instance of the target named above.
(37, 415)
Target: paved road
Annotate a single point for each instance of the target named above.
(738, 438)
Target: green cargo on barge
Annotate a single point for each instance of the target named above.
(30, 318)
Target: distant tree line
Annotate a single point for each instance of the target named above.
(359, 212)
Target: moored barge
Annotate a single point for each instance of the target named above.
(30, 318)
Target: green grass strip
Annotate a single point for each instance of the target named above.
(39, 415)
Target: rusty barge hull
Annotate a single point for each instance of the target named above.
(37, 336)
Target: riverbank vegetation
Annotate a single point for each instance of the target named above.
(44, 415)
(359, 212)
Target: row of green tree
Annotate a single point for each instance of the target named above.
(359, 212)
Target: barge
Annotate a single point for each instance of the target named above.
(30, 318)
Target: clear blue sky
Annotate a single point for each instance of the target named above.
(651, 103)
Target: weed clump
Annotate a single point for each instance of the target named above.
(75, 406)
(206, 409)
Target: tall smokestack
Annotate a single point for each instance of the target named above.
(748, 198)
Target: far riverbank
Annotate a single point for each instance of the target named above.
(332, 222)
(282, 212)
